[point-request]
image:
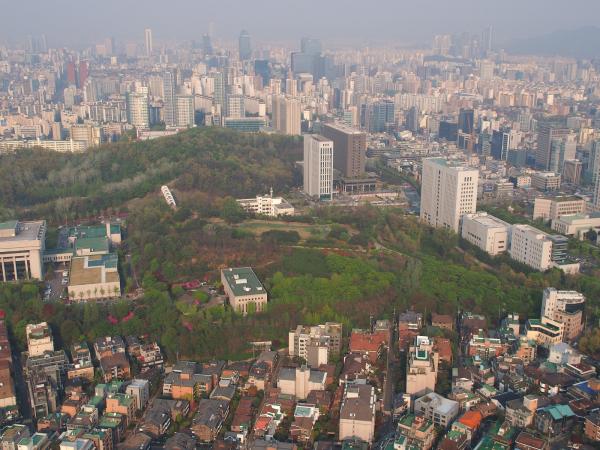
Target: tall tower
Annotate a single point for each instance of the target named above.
(350, 149)
(547, 132)
(169, 105)
(245, 46)
(148, 40)
(447, 193)
(137, 107)
(318, 166)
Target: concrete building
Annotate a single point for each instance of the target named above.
(552, 208)
(318, 166)
(531, 247)
(267, 205)
(94, 277)
(577, 225)
(357, 413)
(244, 290)
(566, 307)
(140, 391)
(486, 232)
(300, 381)
(545, 332)
(440, 410)
(138, 113)
(184, 111)
(350, 149)
(547, 133)
(21, 250)
(545, 181)
(316, 344)
(286, 115)
(571, 173)
(39, 339)
(448, 192)
(422, 367)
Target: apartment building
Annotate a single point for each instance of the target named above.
(300, 381)
(566, 307)
(422, 367)
(39, 339)
(487, 232)
(318, 166)
(316, 344)
(357, 413)
(448, 191)
(545, 332)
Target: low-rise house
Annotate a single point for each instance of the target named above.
(415, 432)
(180, 441)
(440, 410)
(37, 441)
(156, 422)
(356, 366)
(12, 434)
(187, 381)
(520, 412)
(123, 404)
(305, 417)
(554, 420)
(110, 352)
(469, 423)
(209, 419)
(137, 441)
(444, 321)
(115, 423)
(369, 344)
(454, 440)
(526, 441)
(591, 427)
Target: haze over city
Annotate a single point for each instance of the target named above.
(314, 225)
(79, 23)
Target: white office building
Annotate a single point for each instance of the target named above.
(184, 111)
(267, 205)
(486, 232)
(448, 191)
(21, 250)
(531, 247)
(318, 166)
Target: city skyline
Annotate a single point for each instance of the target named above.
(68, 23)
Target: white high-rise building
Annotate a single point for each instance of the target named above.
(148, 40)
(318, 166)
(448, 191)
(236, 106)
(531, 247)
(137, 107)
(184, 111)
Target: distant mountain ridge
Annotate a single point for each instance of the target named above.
(578, 43)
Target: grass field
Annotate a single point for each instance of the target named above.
(305, 230)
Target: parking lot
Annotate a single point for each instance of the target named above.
(54, 281)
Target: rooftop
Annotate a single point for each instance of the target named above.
(243, 281)
(15, 231)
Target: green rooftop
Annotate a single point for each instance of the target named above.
(487, 443)
(92, 244)
(9, 225)
(243, 281)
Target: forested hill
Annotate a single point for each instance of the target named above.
(41, 183)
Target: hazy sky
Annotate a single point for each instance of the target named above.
(84, 22)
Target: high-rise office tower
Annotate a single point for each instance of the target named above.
(184, 111)
(448, 192)
(562, 149)
(245, 46)
(71, 73)
(465, 120)
(547, 132)
(412, 119)
(597, 191)
(236, 106)
(291, 87)
(286, 115)
(487, 39)
(148, 41)
(500, 144)
(169, 106)
(311, 46)
(207, 47)
(442, 44)
(350, 149)
(318, 166)
(486, 70)
(83, 73)
(381, 115)
(137, 107)
(220, 93)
